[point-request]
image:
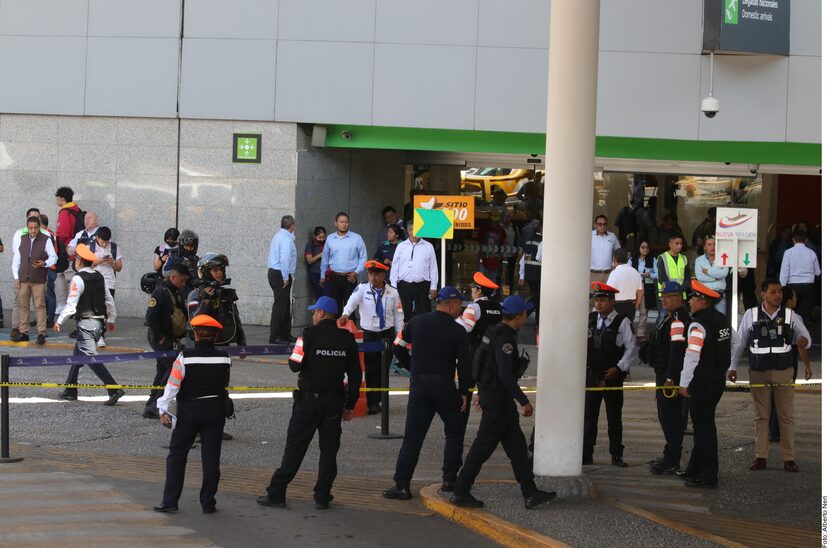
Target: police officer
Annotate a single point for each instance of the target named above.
(530, 266)
(198, 382)
(482, 312)
(381, 317)
(93, 308)
(439, 350)
(497, 369)
(612, 348)
(322, 355)
(665, 352)
(166, 319)
(703, 380)
(214, 298)
(185, 253)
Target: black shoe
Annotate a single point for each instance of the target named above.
(664, 469)
(587, 459)
(701, 484)
(1, 324)
(226, 436)
(166, 509)
(373, 410)
(41, 339)
(150, 413)
(320, 505)
(114, 397)
(73, 334)
(655, 462)
(775, 439)
(448, 486)
(465, 501)
(539, 497)
(208, 509)
(618, 461)
(397, 493)
(265, 500)
(68, 395)
(23, 337)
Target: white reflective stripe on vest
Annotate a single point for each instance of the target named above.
(755, 349)
(197, 359)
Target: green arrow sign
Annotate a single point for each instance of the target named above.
(433, 223)
(746, 259)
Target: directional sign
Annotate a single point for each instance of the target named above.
(433, 223)
(736, 232)
(463, 208)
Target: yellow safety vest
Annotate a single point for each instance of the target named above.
(675, 270)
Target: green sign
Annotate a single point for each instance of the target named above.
(730, 12)
(433, 223)
(247, 147)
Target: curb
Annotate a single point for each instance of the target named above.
(484, 523)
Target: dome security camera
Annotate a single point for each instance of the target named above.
(346, 135)
(710, 106)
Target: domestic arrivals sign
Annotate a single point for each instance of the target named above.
(754, 26)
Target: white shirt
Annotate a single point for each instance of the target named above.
(51, 259)
(107, 271)
(413, 263)
(627, 280)
(799, 265)
(602, 247)
(539, 252)
(363, 300)
(76, 288)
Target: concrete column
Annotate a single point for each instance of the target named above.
(569, 164)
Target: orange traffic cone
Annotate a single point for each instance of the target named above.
(361, 408)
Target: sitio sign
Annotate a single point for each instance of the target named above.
(463, 208)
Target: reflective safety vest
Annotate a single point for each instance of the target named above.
(771, 341)
(675, 270)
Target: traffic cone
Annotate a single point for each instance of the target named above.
(361, 408)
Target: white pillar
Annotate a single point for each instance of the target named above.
(569, 166)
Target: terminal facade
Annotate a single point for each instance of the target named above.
(354, 105)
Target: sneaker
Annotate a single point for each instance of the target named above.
(73, 334)
(41, 338)
(23, 337)
(101, 343)
(114, 397)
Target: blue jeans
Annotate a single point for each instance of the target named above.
(51, 301)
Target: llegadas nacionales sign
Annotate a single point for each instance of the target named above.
(751, 26)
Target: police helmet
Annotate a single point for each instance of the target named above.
(188, 237)
(148, 282)
(209, 261)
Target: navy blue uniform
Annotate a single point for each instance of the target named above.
(161, 335)
(439, 349)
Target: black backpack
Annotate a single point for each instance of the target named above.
(63, 257)
(79, 221)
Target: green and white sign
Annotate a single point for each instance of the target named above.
(749, 26)
(730, 12)
(247, 147)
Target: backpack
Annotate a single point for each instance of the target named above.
(63, 257)
(79, 221)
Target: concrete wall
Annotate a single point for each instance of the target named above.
(463, 64)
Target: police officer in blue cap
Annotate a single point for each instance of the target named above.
(439, 350)
(497, 369)
(322, 355)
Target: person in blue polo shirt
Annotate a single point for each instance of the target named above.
(344, 256)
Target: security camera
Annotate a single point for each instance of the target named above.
(346, 134)
(710, 107)
(753, 168)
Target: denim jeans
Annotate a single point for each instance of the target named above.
(51, 301)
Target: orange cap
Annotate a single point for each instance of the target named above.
(376, 266)
(205, 320)
(703, 291)
(483, 281)
(85, 253)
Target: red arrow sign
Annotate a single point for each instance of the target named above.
(724, 257)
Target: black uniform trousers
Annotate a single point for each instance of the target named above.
(281, 309)
(205, 417)
(704, 396)
(670, 415)
(626, 308)
(414, 298)
(163, 368)
(806, 294)
(613, 413)
(499, 425)
(372, 360)
(535, 294)
(340, 289)
(428, 395)
(319, 412)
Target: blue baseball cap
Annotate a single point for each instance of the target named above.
(672, 287)
(515, 305)
(326, 304)
(447, 293)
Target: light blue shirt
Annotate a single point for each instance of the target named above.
(282, 255)
(799, 266)
(343, 254)
(715, 277)
(642, 268)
